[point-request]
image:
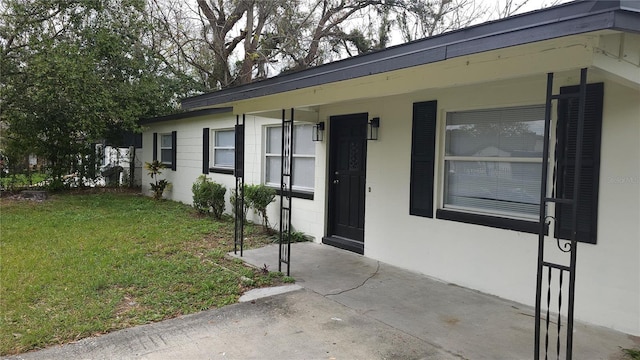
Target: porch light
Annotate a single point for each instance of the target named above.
(318, 132)
(374, 125)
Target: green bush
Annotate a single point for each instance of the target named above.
(259, 197)
(233, 198)
(208, 196)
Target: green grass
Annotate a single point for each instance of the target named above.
(80, 265)
(21, 180)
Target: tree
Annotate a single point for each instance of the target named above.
(421, 18)
(230, 43)
(76, 73)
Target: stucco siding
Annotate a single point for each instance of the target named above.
(503, 262)
(308, 214)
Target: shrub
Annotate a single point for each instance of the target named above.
(233, 198)
(298, 236)
(158, 186)
(259, 197)
(208, 196)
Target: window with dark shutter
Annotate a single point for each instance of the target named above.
(423, 142)
(205, 150)
(566, 156)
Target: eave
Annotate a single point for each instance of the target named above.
(565, 20)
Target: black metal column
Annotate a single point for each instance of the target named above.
(286, 179)
(238, 242)
(546, 219)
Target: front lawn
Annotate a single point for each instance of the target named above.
(83, 264)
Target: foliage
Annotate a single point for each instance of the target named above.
(95, 263)
(76, 73)
(208, 196)
(633, 354)
(14, 181)
(297, 236)
(259, 197)
(237, 42)
(246, 204)
(158, 187)
(222, 44)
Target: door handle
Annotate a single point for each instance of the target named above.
(336, 181)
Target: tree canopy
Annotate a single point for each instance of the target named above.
(227, 43)
(76, 73)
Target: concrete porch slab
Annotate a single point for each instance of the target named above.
(465, 322)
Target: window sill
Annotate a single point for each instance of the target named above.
(531, 227)
(168, 166)
(297, 194)
(228, 171)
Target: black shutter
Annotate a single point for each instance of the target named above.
(239, 151)
(205, 150)
(566, 155)
(174, 150)
(423, 143)
(155, 146)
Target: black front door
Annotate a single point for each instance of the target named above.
(347, 170)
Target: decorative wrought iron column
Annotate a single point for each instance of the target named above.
(238, 242)
(286, 179)
(546, 218)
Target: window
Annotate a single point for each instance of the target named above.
(223, 149)
(168, 149)
(303, 178)
(493, 162)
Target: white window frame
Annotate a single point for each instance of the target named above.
(267, 154)
(215, 146)
(168, 163)
(444, 158)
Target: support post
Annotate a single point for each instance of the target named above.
(286, 179)
(238, 172)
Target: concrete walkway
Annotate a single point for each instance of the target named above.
(345, 307)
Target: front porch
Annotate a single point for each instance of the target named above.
(464, 323)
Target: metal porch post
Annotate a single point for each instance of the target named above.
(286, 179)
(571, 246)
(239, 175)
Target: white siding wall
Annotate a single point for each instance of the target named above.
(495, 261)
(503, 262)
(307, 216)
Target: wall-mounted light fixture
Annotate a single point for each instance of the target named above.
(374, 125)
(318, 132)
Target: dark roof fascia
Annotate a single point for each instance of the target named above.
(563, 20)
(186, 115)
(628, 21)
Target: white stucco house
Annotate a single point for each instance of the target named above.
(451, 186)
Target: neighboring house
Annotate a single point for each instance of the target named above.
(125, 157)
(126, 154)
(451, 186)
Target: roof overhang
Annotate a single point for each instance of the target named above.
(187, 115)
(575, 18)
